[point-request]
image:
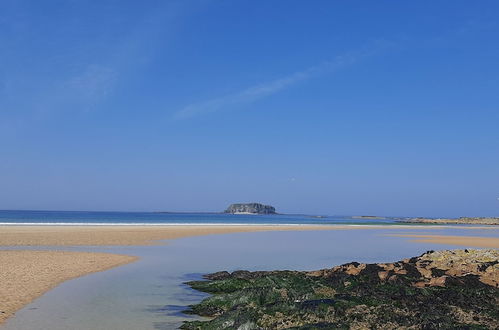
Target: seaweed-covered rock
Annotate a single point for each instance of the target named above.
(455, 289)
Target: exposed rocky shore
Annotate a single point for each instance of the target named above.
(368, 217)
(251, 208)
(456, 289)
(462, 220)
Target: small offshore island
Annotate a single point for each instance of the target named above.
(453, 289)
(250, 208)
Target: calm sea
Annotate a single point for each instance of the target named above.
(152, 218)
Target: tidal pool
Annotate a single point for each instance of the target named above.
(149, 293)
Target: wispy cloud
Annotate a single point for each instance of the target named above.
(92, 85)
(75, 76)
(260, 91)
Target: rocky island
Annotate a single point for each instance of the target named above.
(453, 289)
(250, 208)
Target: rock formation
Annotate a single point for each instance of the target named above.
(253, 208)
(462, 220)
(455, 289)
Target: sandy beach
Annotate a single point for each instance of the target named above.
(126, 235)
(26, 275)
(58, 235)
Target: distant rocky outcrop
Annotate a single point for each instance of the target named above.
(250, 208)
(454, 289)
(462, 220)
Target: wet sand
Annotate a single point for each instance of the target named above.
(127, 235)
(26, 275)
(57, 235)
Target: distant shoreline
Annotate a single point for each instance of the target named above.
(493, 221)
(400, 219)
(401, 224)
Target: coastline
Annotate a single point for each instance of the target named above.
(26, 275)
(100, 235)
(55, 267)
(493, 221)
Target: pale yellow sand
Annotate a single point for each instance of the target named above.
(146, 235)
(468, 241)
(26, 275)
(124, 235)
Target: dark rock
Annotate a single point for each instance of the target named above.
(437, 290)
(217, 276)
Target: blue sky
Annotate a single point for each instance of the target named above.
(327, 107)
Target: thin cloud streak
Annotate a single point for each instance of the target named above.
(83, 77)
(261, 91)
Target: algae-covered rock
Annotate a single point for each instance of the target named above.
(455, 289)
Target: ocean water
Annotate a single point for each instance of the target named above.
(157, 218)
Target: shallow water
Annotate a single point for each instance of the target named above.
(149, 294)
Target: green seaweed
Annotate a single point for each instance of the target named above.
(297, 300)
